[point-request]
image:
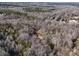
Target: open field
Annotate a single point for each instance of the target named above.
(39, 29)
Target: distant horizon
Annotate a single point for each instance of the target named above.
(39, 1)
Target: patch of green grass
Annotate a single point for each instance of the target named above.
(8, 29)
(8, 12)
(25, 45)
(36, 9)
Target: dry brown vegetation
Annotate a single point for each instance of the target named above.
(53, 33)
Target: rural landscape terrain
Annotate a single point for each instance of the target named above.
(39, 29)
